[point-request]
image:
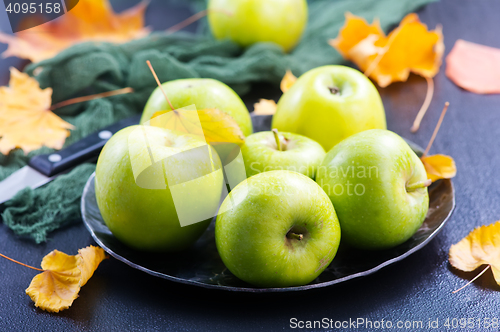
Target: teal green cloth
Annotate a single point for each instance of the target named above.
(96, 67)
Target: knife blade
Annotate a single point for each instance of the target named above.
(44, 168)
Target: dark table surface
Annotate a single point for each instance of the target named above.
(418, 288)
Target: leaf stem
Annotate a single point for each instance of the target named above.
(13, 260)
(277, 139)
(91, 97)
(425, 105)
(159, 84)
(443, 112)
(473, 279)
(194, 18)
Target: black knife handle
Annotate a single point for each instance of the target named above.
(79, 152)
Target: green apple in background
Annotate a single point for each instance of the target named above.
(330, 103)
(270, 150)
(378, 187)
(147, 219)
(279, 229)
(203, 93)
(250, 21)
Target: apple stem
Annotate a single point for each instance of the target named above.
(334, 90)
(159, 84)
(13, 260)
(295, 236)
(91, 97)
(443, 112)
(418, 185)
(277, 138)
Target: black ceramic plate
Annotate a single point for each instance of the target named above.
(202, 266)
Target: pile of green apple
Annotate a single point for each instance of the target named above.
(282, 225)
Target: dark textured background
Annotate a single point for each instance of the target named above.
(418, 288)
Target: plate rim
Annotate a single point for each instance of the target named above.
(260, 290)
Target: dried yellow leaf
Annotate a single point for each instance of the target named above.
(211, 124)
(25, 119)
(89, 20)
(439, 167)
(481, 246)
(57, 287)
(386, 59)
(287, 81)
(265, 107)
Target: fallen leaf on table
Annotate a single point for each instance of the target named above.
(474, 67)
(57, 287)
(439, 167)
(287, 81)
(481, 246)
(89, 20)
(25, 119)
(386, 59)
(216, 125)
(265, 107)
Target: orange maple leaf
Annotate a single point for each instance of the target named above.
(26, 121)
(386, 59)
(89, 20)
(58, 285)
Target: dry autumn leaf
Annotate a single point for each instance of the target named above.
(474, 67)
(217, 126)
(408, 48)
(89, 20)
(265, 107)
(439, 167)
(481, 246)
(25, 119)
(57, 287)
(287, 81)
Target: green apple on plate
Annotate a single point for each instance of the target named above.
(135, 201)
(277, 229)
(273, 150)
(378, 187)
(203, 93)
(329, 104)
(250, 21)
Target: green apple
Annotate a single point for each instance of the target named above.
(277, 229)
(270, 150)
(330, 103)
(250, 21)
(203, 93)
(137, 205)
(378, 186)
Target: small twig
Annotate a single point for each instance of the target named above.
(443, 112)
(473, 279)
(425, 105)
(13, 260)
(91, 97)
(159, 85)
(194, 18)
